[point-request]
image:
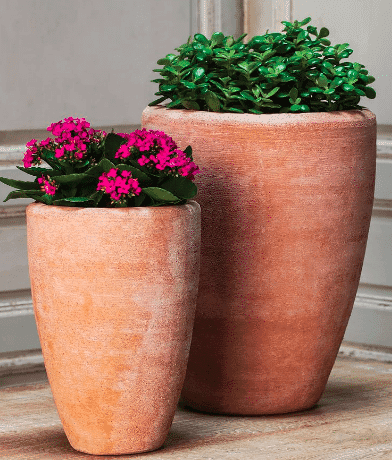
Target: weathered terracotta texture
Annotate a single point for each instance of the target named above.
(287, 201)
(114, 293)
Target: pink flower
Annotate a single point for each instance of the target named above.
(72, 139)
(59, 152)
(123, 151)
(32, 154)
(119, 185)
(45, 142)
(47, 185)
(28, 159)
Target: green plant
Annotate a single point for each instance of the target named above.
(294, 71)
(89, 168)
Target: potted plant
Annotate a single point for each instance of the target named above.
(113, 247)
(288, 159)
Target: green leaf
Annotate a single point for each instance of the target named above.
(160, 194)
(233, 109)
(322, 80)
(212, 101)
(104, 165)
(341, 47)
(169, 58)
(72, 178)
(191, 105)
(180, 187)
(217, 38)
(97, 196)
(246, 95)
(157, 101)
(293, 94)
(299, 108)
(315, 90)
(370, 92)
(347, 87)
(73, 201)
(175, 103)
(20, 184)
(189, 84)
(312, 30)
(34, 194)
(305, 21)
(136, 172)
(202, 39)
(138, 199)
(188, 151)
(303, 35)
(198, 73)
(324, 32)
(36, 171)
(112, 144)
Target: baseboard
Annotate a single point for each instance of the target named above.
(371, 320)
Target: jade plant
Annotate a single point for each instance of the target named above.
(297, 70)
(90, 168)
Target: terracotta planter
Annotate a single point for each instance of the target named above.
(287, 201)
(114, 293)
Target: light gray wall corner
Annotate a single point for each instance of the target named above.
(209, 16)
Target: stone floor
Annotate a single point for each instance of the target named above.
(353, 420)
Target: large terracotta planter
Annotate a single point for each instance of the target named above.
(287, 201)
(114, 293)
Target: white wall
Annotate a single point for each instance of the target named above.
(90, 58)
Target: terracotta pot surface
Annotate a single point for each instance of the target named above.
(114, 293)
(286, 204)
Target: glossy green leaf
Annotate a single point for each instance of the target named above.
(212, 101)
(217, 38)
(38, 172)
(191, 105)
(201, 39)
(347, 87)
(180, 187)
(73, 201)
(160, 194)
(198, 73)
(322, 80)
(136, 172)
(370, 92)
(189, 84)
(324, 32)
(34, 194)
(157, 101)
(20, 184)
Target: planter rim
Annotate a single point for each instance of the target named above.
(118, 211)
(343, 116)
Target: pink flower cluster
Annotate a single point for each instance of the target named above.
(32, 155)
(47, 185)
(118, 184)
(161, 153)
(72, 137)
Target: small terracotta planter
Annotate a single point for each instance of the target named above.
(287, 201)
(114, 293)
